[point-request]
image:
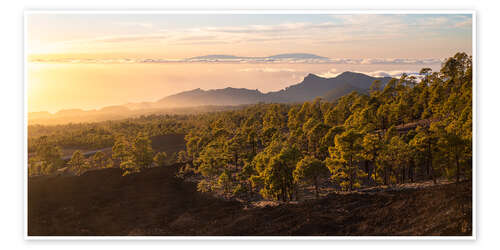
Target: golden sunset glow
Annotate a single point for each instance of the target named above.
(213, 124)
(89, 61)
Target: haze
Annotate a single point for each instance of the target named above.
(89, 61)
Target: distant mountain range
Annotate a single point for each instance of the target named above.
(278, 58)
(311, 87)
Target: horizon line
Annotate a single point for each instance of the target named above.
(228, 87)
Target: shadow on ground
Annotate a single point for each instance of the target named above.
(154, 202)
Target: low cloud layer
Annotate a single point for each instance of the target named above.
(250, 60)
(379, 73)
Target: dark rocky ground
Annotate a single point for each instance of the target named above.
(154, 202)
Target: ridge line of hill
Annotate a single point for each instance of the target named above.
(311, 87)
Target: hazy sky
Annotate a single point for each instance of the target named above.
(93, 60)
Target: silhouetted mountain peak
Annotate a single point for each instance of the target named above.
(349, 74)
(311, 76)
(197, 90)
(311, 87)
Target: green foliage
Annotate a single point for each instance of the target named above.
(47, 157)
(372, 145)
(143, 152)
(78, 163)
(204, 186)
(109, 163)
(425, 150)
(395, 156)
(344, 160)
(129, 167)
(98, 160)
(256, 181)
(160, 159)
(402, 131)
(224, 182)
(182, 157)
(212, 160)
(122, 150)
(241, 190)
(309, 170)
(277, 176)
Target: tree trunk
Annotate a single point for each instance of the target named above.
(316, 187)
(283, 190)
(404, 173)
(457, 160)
(411, 171)
(385, 175)
(350, 175)
(367, 168)
(390, 172)
(427, 167)
(433, 175)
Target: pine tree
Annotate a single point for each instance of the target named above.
(122, 151)
(98, 160)
(129, 167)
(224, 182)
(78, 163)
(372, 144)
(160, 159)
(310, 170)
(49, 155)
(344, 159)
(143, 151)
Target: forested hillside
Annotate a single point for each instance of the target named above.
(404, 131)
(356, 141)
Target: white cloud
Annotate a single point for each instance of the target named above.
(393, 73)
(356, 29)
(330, 73)
(400, 61)
(379, 73)
(251, 60)
(343, 28)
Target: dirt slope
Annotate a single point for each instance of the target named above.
(156, 203)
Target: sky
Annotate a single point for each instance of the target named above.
(89, 61)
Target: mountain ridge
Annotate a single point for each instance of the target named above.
(311, 87)
(285, 56)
